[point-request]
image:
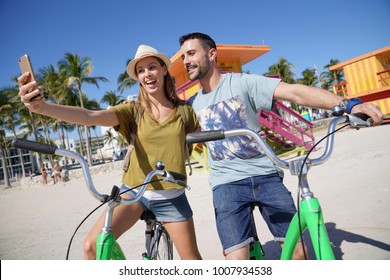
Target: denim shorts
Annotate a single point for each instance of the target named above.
(166, 210)
(232, 205)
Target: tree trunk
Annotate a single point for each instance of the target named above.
(87, 134)
(20, 155)
(81, 141)
(63, 144)
(32, 120)
(100, 148)
(89, 150)
(5, 168)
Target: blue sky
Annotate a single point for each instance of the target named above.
(307, 33)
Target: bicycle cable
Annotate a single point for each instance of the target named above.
(299, 183)
(93, 211)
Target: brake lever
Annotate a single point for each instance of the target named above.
(359, 120)
(181, 183)
(170, 178)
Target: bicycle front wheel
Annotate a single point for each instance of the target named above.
(163, 247)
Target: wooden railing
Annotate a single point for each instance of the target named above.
(341, 89)
(287, 126)
(182, 90)
(382, 79)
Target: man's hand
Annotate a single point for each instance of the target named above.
(370, 110)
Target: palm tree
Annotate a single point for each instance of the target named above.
(93, 105)
(54, 83)
(309, 77)
(72, 99)
(98, 144)
(12, 119)
(26, 116)
(283, 68)
(78, 70)
(109, 137)
(5, 107)
(27, 123)
(56, 88)
(3, 155)
(124, 81)
(111, 98)
(329, 78)
(57, 126)
(44, 126)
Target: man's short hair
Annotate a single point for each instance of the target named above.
(206, 41)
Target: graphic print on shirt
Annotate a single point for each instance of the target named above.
(228, 114)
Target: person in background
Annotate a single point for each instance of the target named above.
(240, 174)
(43, 171)
(114, 156)
(57, 172)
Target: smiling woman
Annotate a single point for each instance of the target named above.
(156, 120)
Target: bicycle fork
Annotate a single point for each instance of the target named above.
(310, 218)
(107, 248)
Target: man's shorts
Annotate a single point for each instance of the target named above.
(232, 205)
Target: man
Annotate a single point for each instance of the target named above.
(245, 176)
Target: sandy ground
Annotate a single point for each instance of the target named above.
(37, 222)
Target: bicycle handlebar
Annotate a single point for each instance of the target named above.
(169, 176)
(354, 120)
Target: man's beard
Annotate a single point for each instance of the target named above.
(200, 71)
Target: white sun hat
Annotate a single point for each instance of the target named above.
(142, 52)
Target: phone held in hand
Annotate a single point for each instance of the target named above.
(25, 66)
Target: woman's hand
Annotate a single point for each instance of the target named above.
(30, 94)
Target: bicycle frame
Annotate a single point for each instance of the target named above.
(309, 216)
(107, 248)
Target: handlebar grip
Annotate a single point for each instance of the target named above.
(205, 136)
(362, 116)
(178, 176)
(33, 146)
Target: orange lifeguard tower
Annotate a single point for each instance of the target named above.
(367, 77)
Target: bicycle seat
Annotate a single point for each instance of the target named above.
(148, 215)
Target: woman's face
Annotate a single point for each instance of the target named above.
(151, 74)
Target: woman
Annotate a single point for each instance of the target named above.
(57, 172)
(44, 174)
(160, 135)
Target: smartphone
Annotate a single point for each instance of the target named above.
(25, 66)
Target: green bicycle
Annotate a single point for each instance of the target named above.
(309, 215)
(158, 244)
